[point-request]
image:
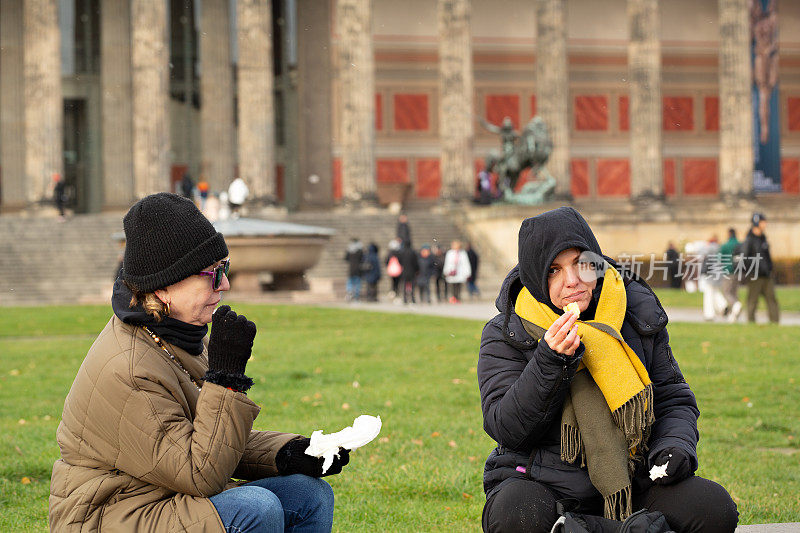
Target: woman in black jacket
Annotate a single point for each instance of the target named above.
(584, 410)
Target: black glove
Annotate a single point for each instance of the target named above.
(292, 459)
(679, 468)
(229, 348)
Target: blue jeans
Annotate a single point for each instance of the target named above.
(354, 287)
(287, 503)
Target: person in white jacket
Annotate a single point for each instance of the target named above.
(456, 270)
(237, 194)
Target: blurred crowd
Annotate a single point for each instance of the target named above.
(428, 274)
(718, 270)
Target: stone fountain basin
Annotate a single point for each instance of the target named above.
(282, 249)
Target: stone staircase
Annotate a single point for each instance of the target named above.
(44, 261)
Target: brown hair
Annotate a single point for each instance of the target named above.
(150, 302)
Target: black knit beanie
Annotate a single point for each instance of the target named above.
(167, 239)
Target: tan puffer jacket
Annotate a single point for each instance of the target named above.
(142, 449)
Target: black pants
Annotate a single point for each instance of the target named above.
(441, 289)
(372, 292)
(693, 505)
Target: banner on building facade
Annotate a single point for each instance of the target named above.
(766, 117)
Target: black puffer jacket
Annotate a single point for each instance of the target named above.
(523, 385)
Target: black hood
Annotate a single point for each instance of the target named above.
(542, 238)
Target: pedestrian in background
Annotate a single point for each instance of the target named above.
(238, 191)
(730, 285)
(710, 281)
(371, 272)
(393, 267)
(438, 273)
(203, 189)
(354, 255)
(426, 272)
(403, 230)
(759, 267)
(410, 263)
(472, 281)
(673, 263)
(456, 270)
(187, 186)
(59, 195)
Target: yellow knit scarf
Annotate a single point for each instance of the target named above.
(624, 384)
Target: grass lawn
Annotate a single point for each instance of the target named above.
(319, 368)
(788, 297)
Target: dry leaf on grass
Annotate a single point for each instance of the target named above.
(25, 481)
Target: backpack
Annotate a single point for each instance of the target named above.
(643, 521)
(394, 268)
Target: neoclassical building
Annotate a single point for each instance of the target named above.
(318, 101)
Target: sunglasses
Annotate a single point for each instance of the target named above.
(217, 274)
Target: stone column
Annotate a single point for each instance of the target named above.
(44, 106)
(216, 95)
(644, 80)
(116, 114)
(256, 105)
(735, 100)
(456, 130)
(12, 105)
(552, 86)
(150, 86)
(357, 90)
(315, 165)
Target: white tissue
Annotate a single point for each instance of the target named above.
(364, 429)
(658, 471)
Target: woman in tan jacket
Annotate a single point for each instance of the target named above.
(157, 422)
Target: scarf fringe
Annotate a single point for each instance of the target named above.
(618, 506)
(571, 445)
(635, 418)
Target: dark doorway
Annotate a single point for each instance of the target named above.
(76, 155)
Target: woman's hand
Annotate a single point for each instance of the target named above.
(229, 348)
(562, 335)
(292, 459)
